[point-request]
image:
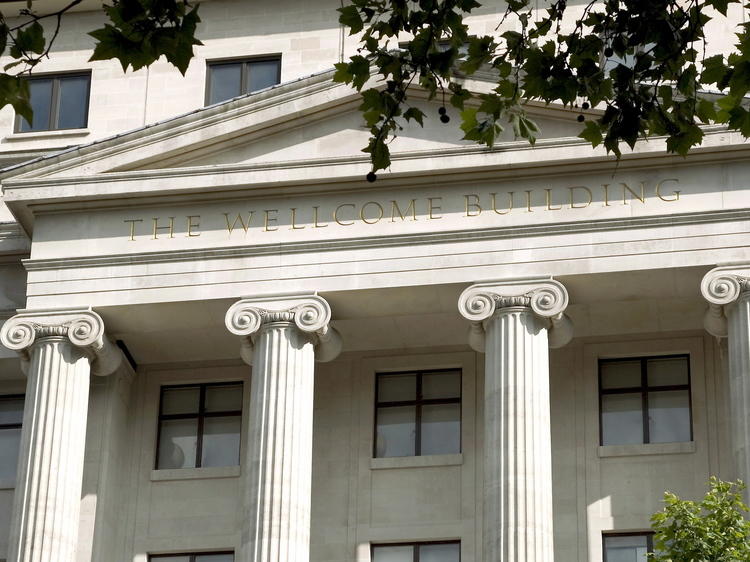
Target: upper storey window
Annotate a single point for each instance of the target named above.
(58, 101)
(11, 416)
(231, 78)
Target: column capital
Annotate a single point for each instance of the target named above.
(546, 297)
(309, 312)
(82, 327)
(721, 287)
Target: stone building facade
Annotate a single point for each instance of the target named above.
(220, 343)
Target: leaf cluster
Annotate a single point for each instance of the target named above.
(712, 530)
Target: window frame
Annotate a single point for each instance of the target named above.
(201, 415)
(644, 390)
(4, 397)
(54, 114)
(414, 545)
(648, 534)
(245, 62)
(191, 555)
(418, 403)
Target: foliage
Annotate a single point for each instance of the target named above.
(712, 530)
(640, 63)
(138, 33)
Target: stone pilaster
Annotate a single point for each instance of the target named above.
(60, 349)
(282, 338)
(510, 324)
(727, 290)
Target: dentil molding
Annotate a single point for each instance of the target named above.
(546, 297)
(722, 287)
(309, 312)
(82, 327)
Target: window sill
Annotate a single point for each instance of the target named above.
(194, 473)
(7, 484)
(32, 135)
(607, 451)
(416, 462)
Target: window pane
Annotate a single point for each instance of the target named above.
(262, 74)
(73, 102)
(180, 400)
(225, 82)
(439, 552)
(393, 554)
(669, 416)
(169, 558)
(10, 440)
(441, 429)
(396, 388)
(396, 431)
(214, 558)
(221, 441)
(441, 385)
(622, 419)
(224, 398)
(41, 101)
(177, 443)
(626, 549)
(669, 371)
(11, 410)
(621, 374)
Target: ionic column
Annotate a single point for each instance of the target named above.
(513, 323)
(281, 338)
(60, 349)
(727, 290)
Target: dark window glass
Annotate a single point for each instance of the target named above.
(418, 413)
(227, 80)
(627, 547)
(58, 102)
(417, 552)
(194, 557)
(11, 417)
(645, 400)
(199, 426)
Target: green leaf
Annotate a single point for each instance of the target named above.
(349, 17)
(414, 114)
(592, 132)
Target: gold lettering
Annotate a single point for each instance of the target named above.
(231, 227)
(626, 188)
(191, 225)
(268, 219)
(431, 207)
(528, 201)
(549, 201)
(294, 220)
(572, 199)
(606, 194)
(494, 203)
(474, 205)
(315, 219)
(362, 212)
(675, 193)
(336, 214)
(132, 227)
(396, 209)
(157, 228)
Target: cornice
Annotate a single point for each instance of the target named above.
(339, 244)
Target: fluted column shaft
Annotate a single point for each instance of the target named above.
(47, 500)
(517, 470)
(738, 316)
(279, 456)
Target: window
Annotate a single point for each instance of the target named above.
(58, 102)
(232, 78)
(199, 425)
(627, 547)
(195, 557)
(417, 552)
(11, 416)
(645, 400)
(418, 413)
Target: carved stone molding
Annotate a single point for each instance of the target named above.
(82, 327)
(309, 312)
(722, 287)
(546, 297)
